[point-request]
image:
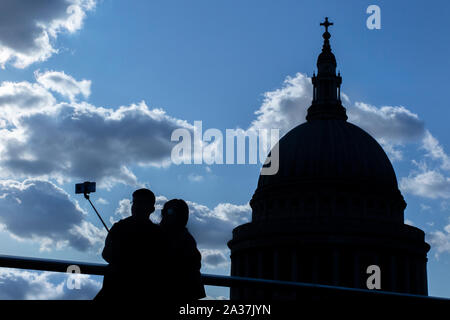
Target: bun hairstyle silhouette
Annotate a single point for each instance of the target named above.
(186, 259)
(175, 213)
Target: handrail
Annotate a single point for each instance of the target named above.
(7, 261)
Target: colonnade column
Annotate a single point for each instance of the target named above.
(407, 275)
(294, 274)
(259, 260)
(315, 268)
(393, 273)
(356, 270)
(335, 267)
(276, 269)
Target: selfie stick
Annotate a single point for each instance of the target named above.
(86, 195)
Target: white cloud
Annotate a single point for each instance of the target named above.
(101, 201)
(395, 125)
(28, 28)
(38, 210)
(286, 107)
(31, 285)
(44, 138)
(214, 258)
(430, 180)
(429, 184)
(435, 151)
(79, 141)
(212, 228)
(160, 200)
(122, 211)
(440, 240)
(19, 99)
(63, 84)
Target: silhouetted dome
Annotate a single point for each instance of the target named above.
(329, 167)
(332, 209)
(332, 150)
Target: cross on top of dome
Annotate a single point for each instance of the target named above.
(326, 35)
(326, 24)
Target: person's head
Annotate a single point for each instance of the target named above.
(175, 214)
(143, 203)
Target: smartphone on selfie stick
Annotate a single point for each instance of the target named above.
(85, 188)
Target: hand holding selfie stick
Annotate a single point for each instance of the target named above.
(86, 188)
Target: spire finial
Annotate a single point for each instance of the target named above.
(326, 102)
(326, 35)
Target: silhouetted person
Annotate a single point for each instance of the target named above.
(185, 257)
(136, 251)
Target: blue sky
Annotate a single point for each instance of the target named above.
(91, 90)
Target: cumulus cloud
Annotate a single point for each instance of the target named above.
(286, 107)
(440, 240)
(435, 151)
(429, 184)
(31, 285)
(42, 137)
(212, 228)
(63, 84)
(18, 99)
(28, 28)
(122, 211)
(214, 258)
(393, 124)
(429, 180)
(101, 201)
(38, 210)
(159, 202)
(76, 140)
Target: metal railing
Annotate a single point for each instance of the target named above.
(212, 280)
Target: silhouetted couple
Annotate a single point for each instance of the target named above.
(150, 261)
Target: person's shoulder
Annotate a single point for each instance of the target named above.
(187, 233)
(122, 223)
(188, 236)
(157, 229)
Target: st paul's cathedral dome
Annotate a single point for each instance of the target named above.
(332, 209)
